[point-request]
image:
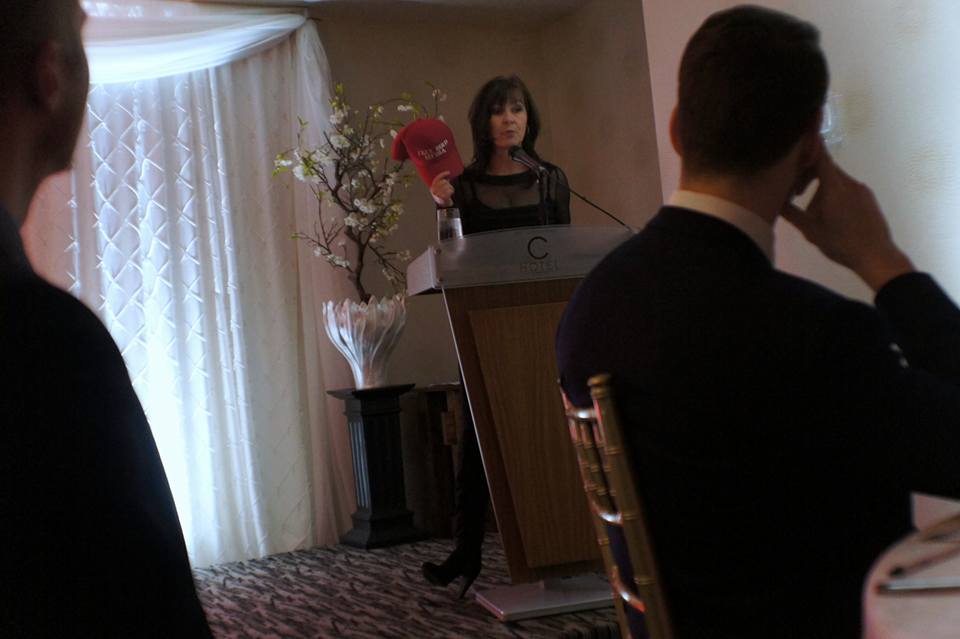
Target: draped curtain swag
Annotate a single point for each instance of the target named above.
(127, 42)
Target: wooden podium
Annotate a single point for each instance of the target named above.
(505, 292)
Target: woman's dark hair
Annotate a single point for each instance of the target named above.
(496, 93)
(752, 81)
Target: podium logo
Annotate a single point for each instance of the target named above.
(537, 249)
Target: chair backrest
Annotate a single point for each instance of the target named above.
(609, 482)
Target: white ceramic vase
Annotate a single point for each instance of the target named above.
(366, 333)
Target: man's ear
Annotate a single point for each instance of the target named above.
(812, 147)
(675, 132)
(45, 81)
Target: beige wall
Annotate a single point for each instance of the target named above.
(599, 97)
(588, 73)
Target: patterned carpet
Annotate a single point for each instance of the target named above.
(339, 591)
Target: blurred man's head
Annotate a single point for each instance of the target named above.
(752, 83)
(43, 74)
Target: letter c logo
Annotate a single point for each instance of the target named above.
(530, 248)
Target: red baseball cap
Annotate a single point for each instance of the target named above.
(429, 143)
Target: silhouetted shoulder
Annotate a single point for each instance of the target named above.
(37, 318)
(78, 461)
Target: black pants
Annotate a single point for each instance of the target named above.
(472, 494)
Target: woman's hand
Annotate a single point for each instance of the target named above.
(442, 190)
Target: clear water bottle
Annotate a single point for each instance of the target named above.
(448, 224)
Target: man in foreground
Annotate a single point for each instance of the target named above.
(90, 542)
(777, 428)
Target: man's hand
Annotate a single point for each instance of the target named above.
(442, 190)
(845, 222)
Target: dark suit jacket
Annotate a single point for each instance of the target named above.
(90, 541)
(776, 426)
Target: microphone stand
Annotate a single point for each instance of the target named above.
(538, 170)
(601, 209)
(542, 206)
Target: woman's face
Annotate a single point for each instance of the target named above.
(508, 123)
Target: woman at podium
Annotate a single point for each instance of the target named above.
(506, 185)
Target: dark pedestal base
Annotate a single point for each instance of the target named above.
(431, 465)
(382, 518)
(383, 532)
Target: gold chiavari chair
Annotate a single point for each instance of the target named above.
(622, 532)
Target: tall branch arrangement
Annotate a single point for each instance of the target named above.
(358, 188)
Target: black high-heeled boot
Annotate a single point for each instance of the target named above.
(458, 564)
(470, 516)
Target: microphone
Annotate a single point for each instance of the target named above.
(517, 154)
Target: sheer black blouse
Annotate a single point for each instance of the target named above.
(495, 202)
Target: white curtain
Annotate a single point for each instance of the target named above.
(171, 227)
(143, 39)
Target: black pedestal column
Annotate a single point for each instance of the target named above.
(373, 417)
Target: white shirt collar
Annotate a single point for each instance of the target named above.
(754, 226)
